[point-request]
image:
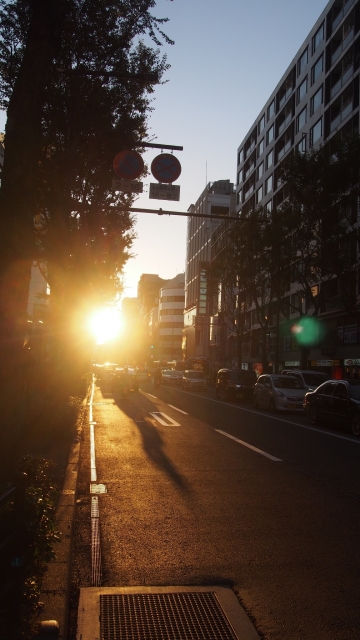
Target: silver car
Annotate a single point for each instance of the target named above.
(194, 380)
(171, 377)
(279, 393)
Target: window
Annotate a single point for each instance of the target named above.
(239, 196)
(239, 177)
(241, 156)
(262, 124)
(316, 132)
(261, 147)
(318, 38)
(301, 119)
(302, 62)
(271, 110)
(260, 170)
(316, 100)
(317, 69)
(270, 158)
(259, 195)
(301, 146)
(302, 89)
(268, 208)
(270, 135)
(268, 184)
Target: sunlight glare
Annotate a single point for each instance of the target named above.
(105, 324)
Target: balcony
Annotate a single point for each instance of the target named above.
(341, 14)
(285, 97)
(343, 45)
(340, 83)
(341, 116)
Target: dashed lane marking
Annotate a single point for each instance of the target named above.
(176, 409)
(249, 446)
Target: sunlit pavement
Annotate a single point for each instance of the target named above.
(192, 499)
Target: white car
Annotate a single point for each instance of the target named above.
(279, 393)
(194, 380)
(171, 377)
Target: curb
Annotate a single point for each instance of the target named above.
(55, 588)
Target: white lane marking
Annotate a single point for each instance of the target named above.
(93, 475)
(246, 444)
(176, 409)
(169, 421)
(151, 395)
(324, 432)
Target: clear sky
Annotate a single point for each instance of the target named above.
(227, 58)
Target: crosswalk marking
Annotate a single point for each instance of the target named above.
(164, 419)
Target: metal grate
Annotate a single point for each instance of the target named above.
(164, 616)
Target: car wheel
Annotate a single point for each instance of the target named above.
(272, 406)
(313, 415)
(355, 424)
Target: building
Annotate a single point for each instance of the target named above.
(171, 319)
(149, 287)
(218, 198)
(315, 101)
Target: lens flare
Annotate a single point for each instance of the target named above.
(105, 324)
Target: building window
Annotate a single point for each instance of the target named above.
(302, 89)
(268, 208)
(301, 146)
(260, 170)
(302, 62)
(262, 124)
(260, 147)
(317, 69)
(301, 119)
(270, 135)
(318, 38)
(241, 156)
(316, 100)
(259, 195)
(239, 196)
(268, 184)
(270, 159)
(271, 110)
(316, 132)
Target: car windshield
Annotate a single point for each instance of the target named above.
(287, 382)
(315, 379)
(170, 372)
(195, 374)
(354, 390)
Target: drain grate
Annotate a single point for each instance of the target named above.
(164, 616)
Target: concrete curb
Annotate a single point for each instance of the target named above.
(55, 588)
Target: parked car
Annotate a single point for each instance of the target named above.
(337, 400)
(310, 379)
(232, 384)
(104, 372)
(279, 393)
(124, 378)
(194, 380)
(171, 377)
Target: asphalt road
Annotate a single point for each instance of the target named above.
(201, 491)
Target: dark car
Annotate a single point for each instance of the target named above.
(337, 400)
(123, 377)
(232, 384)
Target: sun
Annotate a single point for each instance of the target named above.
(105, 324)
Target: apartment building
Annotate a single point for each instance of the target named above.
(171, 319)
(316, 100)
(218, 198)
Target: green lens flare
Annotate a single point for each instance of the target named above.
(308, 331)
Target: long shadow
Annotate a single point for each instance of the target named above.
(152, 441)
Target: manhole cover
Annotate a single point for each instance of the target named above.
(163, 616)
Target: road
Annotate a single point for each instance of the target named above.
(201, 491)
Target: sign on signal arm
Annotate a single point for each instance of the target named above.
(127, 186)
(161, 191)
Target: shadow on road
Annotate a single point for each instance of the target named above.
(153, 443)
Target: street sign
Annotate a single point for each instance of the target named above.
(159, 191)
(166, 168)
(128, 165)
(127, 186)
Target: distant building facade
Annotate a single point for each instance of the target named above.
(171, 319)
(218, 198)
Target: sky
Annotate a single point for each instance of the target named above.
(227, 59)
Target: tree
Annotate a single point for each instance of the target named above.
(76, 80)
